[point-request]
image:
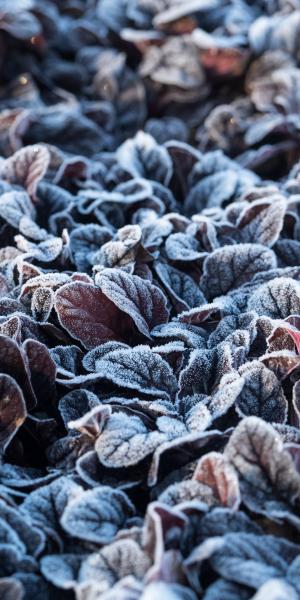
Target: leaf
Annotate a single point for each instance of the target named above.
(84, 241)
(205, 369)
(88, 315)
(112, 563)
(92, 357)
(24, 478)
(31, 537)
(92, 422)
(262, 221)
(120, 252)
(186, 491)
(183, 247)
(138, 369)
(126, 440)
(215, 471)
(182, 289)
(229, 325)
(67, 359)
(46, 505)
(142, 301)
(42, 303)
(76, 404)
(97, 515)
(230, 267)
(27, 167)
(62, 569)
(46, 251)
(13, 363)
(193, 337)
(252, 560)
(257, 453)
(262, 394)
(143, 157)
(14, 206)
(12, 410)
(277, 299)
(42, 370)
(196, 415)
(182, 450)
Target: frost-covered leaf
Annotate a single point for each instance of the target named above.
(112, 563)
(262, 221)
(27, 167)
(126, 440)
(62, 569)
(215, 471)
(182, 289)
(183, 247)
(277, 299)
(46, 504)
(257, 453)
(45, 251)
(31, 538)
(88, 315)
(139, 369)
(97, 515)
(143, 157)
(14, 206)
(193, 337)
(42, 303)
(182, 450)
(76, 404)
(251, 560)
(34, 585)
(85, 241)
(229, 325)
(142, 301)
(205, 369)
(12, 410)
(186, 491)
(67, 359)
(196, 414)
(262, 394)
(92, 422)
(230, 267)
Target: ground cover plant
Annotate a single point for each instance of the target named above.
(149, 300)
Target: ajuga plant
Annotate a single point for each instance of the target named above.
(149, 300)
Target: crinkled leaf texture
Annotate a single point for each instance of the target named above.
(138, 369)
(215, 471)
(88, 315)
(257, 453)
(261, 394)
(112, 563)
(142, 301)
(97, 515)
(126, 440)
(230, 267)
(27, 167)
(252, 560)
